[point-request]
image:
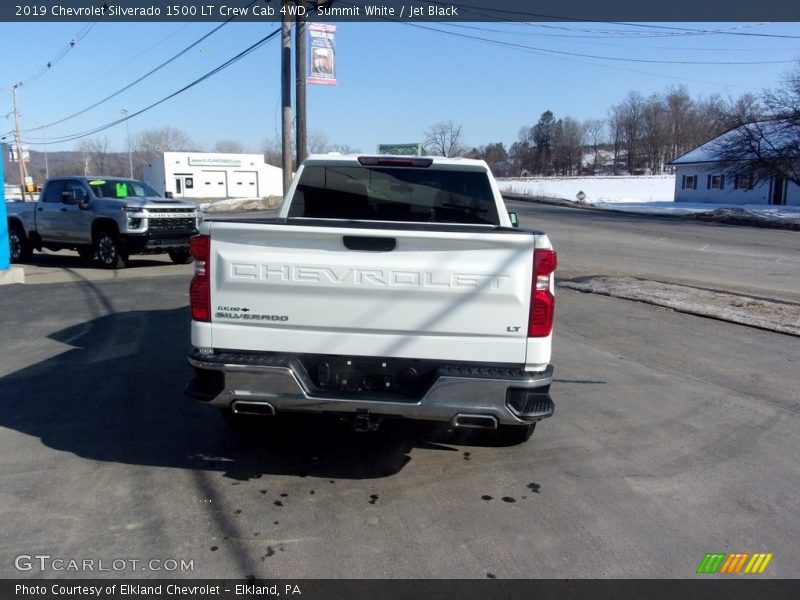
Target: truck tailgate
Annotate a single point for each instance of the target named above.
(461, 294)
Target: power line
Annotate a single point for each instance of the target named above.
(618, 45)
(595, 56)
(610, 35)
(143, 77)
(223, 66)
(62, 53)
(493, 14)
(114, 69)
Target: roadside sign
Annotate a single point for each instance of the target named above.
(401, 149)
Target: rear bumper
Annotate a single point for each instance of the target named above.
(273, 383)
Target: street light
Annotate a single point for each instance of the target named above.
(124, 112)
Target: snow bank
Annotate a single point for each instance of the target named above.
(627, 189)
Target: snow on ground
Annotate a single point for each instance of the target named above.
(597, 189)
(240, 204)
(644, 194)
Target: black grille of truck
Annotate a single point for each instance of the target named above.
(178, 224)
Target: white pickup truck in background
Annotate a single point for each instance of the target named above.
(387, 287)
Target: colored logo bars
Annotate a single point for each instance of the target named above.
(719, 562)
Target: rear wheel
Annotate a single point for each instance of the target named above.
(180, 257)
(20, 248)
(513, 435)
(107, 248)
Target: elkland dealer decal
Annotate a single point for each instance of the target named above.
(719, 562)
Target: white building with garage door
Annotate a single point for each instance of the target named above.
(213, 175)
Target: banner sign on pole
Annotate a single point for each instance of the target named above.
(323, 54)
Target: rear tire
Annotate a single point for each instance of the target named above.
(513, 435)
(20, 248)
(109, 253)
(180, 257)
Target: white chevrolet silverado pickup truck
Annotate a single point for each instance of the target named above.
(387, 287)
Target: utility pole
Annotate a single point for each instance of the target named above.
(124, 112)
(286, 95)
(46, 167)
(300, 60)
(17, 143)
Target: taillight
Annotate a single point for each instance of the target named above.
(200, 288)
(540, 321)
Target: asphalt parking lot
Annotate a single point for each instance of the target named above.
(674, 436)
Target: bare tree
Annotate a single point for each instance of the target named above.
(229, 146)
(317, 142)
(747, 108)
(655, 129)
(271, 148)
(345, 149)
(152, 143)
(93, 155)
(568, 146)
(769, 147)
(632, 123)
(616, 118)
(679, 108)
(595, 135)
(84, 147)
(522, 152)
(444, 139)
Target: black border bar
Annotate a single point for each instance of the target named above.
(564, 11)
(711, 588)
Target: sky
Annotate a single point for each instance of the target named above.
(395, 80)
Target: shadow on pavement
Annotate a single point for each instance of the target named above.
(68, 259)
(117, 396)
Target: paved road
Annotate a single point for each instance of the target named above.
(673, 436)
(761, 262)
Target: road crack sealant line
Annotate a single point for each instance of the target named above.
(761, 313)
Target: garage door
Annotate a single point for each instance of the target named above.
(212, 184)
(244, 184)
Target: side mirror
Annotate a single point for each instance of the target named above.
(68, 197)
(514, 218)
(168, 195)
(84, 204)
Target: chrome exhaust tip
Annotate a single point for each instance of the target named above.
(249, 407)
(467, 421)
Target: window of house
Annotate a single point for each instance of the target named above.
(716, 182)
(744, 182)
(689, 182)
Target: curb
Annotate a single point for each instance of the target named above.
(14, 274)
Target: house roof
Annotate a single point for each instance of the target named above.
(776, 134)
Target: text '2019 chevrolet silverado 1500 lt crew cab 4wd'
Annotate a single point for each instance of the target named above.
(107, 217)
(386, 287)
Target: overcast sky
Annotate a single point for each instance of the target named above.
(394, 80)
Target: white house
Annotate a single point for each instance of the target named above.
(213, 175)
(700, 177)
